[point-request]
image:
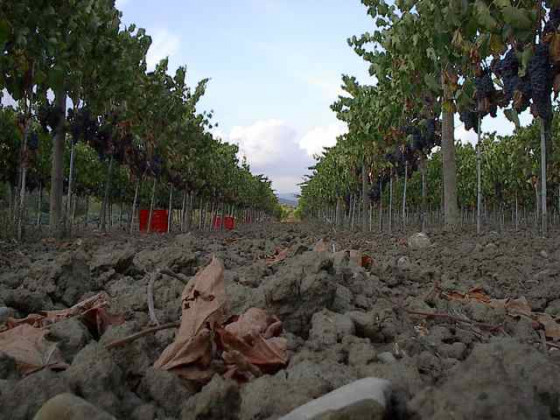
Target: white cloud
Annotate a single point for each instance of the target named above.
(323, 136)
(276, 149)
(164, 44)
(264, 142)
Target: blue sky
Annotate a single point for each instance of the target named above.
(275, 67)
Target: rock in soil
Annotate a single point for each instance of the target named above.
(366, 399)
(70, 407)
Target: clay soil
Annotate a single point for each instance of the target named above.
(407, 316)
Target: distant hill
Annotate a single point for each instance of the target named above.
(289, 199)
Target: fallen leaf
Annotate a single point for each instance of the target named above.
(91, 310)
(254, 335)
(279, 255)
(203, 308)
(31, 351)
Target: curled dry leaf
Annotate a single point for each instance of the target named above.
(30, 349)
(254, 336)
(203, 308)
(92, 312)
(279, 255)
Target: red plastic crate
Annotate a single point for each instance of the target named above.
(229, 223)
(159, 221)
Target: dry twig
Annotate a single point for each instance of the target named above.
(487, 327)
(151, 310)
(140, 334)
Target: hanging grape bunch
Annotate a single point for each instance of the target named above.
(49, 116)
(551, 26)
(469, 120)
(552, 37)
(486, 95)
(540, 75)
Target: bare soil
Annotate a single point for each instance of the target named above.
(343, 321)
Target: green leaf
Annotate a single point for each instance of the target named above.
(517, 18)
(525, 57)
(484, 16)
(431, 81)
(511, 114)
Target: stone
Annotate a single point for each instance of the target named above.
(70, 407)
(273, 396)
(367, 398)
(71, 335)
(218, 400)
(386, 357)
(419, 241)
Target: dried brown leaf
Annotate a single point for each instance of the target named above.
(31, 351)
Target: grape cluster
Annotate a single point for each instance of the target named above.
(486, 95)
(82, 125)
(49, 116)
(541, 76)
(553, 22)
(508, 70)
(425, 136)
(470, 120)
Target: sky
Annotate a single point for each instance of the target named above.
(275, 68)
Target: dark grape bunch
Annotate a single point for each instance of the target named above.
(82, 125)
(515, 87)
(470, 120)
(553, 22)
(541, 76)
(425, 136)
(49, 116)
(486, 94)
